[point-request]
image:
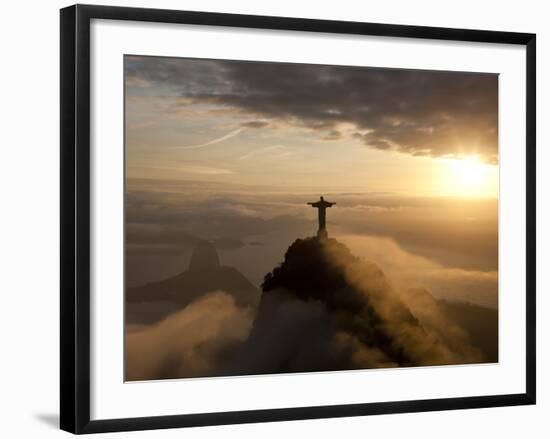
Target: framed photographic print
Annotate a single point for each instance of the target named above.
(267, 218)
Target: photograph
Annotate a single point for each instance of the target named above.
(300, 218)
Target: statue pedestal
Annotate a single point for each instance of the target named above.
(322, 234)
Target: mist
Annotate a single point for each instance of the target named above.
(322, 309)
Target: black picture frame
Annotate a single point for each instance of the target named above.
(75, 217)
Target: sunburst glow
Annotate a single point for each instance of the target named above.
(470, 177)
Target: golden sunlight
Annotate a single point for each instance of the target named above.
(469, 177)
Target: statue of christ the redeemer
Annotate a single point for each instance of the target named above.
(321, 206)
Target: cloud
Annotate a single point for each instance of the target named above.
(451, 245)
(164, 220)
(453, 232)
(255, 124)
(214, 141)
(228, 243)
(191, 342)
(411, 342)
(270, 152)
(418, 112)
(434, 317)
(322, 309)
(201, 169)
(293, 335)
(332, 135)
(408, 270)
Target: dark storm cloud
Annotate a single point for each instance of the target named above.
(431, 113)
(178, 76)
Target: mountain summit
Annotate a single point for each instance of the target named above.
(154, 301)
(323, 309)
(204, 257)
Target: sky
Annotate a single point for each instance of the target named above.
(231, 151)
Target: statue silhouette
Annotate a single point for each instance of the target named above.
(321, 207)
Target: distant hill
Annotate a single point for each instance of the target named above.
(459, 324)
(480, 322)
(154, 301)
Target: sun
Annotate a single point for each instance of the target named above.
(469, 177)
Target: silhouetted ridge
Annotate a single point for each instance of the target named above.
(204, 257)
(307, 270)
(325, 309)
(350, 305)
(156, 300)
(313, 268)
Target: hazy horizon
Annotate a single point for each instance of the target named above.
(261, 133)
